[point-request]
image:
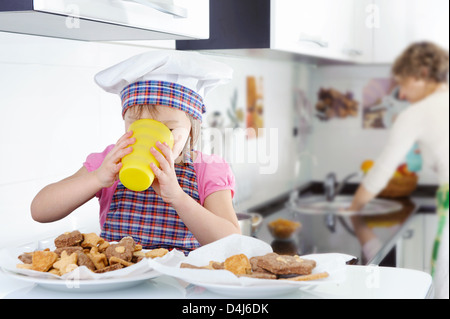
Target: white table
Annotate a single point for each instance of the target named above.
(363, 282)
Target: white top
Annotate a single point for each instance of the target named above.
(426, 122)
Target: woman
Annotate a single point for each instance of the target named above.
(421, 72)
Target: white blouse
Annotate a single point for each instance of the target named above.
(425, 122)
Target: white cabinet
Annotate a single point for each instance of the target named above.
(107, 19)
(402, 22)
(414, 249)
(326, 29)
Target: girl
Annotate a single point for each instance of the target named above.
(190, 202)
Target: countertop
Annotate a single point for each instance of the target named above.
(365, 278)
(369, 239)
(363, 282)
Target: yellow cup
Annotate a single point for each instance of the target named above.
(136, 173)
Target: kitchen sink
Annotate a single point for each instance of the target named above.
(320, 205)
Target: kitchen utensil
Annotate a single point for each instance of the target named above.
(256, 222)
(136, 173)
(245, 222)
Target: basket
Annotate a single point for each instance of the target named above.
(400, 186)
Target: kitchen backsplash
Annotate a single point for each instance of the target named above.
(341, 143)
(54, 115)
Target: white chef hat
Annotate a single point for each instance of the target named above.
(172, 78)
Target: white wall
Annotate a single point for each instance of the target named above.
(53, 116)
(341, 145)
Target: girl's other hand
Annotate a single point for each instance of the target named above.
(166, 181)
(108, 172)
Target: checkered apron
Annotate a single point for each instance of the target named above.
(148, 219)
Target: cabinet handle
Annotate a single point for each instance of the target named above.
(163, 7)
(353, 52)
(320, 43)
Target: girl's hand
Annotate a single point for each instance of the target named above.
(166, 182)
(108, 172)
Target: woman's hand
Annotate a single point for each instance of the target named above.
(166, 182)
(108, 172)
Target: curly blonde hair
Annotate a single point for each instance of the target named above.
(423, 60)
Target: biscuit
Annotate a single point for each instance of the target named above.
(69, 250)
(321, 275)
(91, 240)
(114, 260)
(26, 258)
(285, 265)
(238, 264)
(255, 267)
(43, 260)
(121, 251)
(99, 259)
(84, 260)
(260, 275)
(109, 268)
(69, 239)
(159, 252)
(65, 264)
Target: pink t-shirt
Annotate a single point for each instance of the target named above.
(213, 174)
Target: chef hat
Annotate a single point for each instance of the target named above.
(176, 79)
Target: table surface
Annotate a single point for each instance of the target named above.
(362, 282)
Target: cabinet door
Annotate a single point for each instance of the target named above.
(430, 22)
(320, 28)
(185, 18)
(391, 34)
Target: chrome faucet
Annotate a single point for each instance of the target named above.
(332, 188)
(331, 191)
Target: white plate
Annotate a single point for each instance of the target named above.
(226, 283)
(251, 292)
(81, 279)
(86, 286)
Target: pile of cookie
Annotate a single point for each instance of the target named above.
(74, 249)
(269, 266)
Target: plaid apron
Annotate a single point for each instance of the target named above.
(148, 219)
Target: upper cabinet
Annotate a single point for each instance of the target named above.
(98, 20)
(398, 23)
(326, 29)
(321, 30)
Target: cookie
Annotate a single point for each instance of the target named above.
(109, 268)
(26, 258)
(69, 250)
(159, 252)
(238, 264)
(84, 260)
(122, 251)
(255, 267)
(69, 239)
(91, 240)
(284, 265)
(67, 263)
(43, 260)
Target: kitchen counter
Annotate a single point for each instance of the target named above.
(363, 282)
(365, 279)
(369, 239)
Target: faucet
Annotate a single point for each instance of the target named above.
(332, 188)
(331, 191)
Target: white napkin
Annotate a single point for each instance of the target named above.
(334, 264)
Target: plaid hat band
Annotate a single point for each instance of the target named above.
(163, 93)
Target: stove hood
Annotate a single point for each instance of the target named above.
(107, 20)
